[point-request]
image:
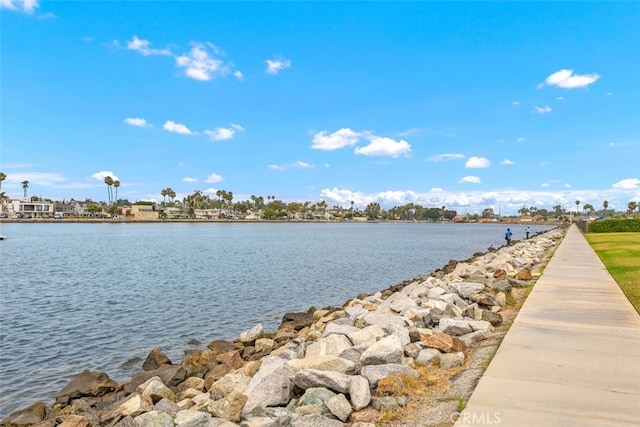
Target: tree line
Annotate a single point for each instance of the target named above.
(274, 208)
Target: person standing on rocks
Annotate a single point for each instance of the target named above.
(507, 236)
(527, 231)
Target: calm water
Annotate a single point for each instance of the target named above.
(92, 296)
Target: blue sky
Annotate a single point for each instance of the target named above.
(469, 105)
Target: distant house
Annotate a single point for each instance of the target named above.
(174, 213)
(207, 214)
(28, 209)
(143, 213)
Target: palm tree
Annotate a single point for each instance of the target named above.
(164, 193)
(116, 184)
(605, 205)
(171, 194)
(109, 181)
(25, 185)
(632, 207)
(587, 208)
(3, 176)
(577, 204)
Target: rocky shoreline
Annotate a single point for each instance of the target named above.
(354, 365)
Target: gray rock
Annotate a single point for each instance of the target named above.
(355, 311)
(270, 386)
(154, 419)
(155, 389)
(332, 345)
(474, 337)
(402, 332)
(383, 319)
(385, 402)
(318, 396)
(335, 328)
(360, 392)
(367, 335)
(191, 418)
(451, 360)
(314, 378)
(252, 334)
(455, 327)
(387, 350)
(340, 407)
(167, 406)
(427, 356)
(316, 421)
(466, 289)
(324, 363)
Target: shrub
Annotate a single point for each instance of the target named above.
(615, 226)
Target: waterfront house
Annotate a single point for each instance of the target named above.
(142, 213)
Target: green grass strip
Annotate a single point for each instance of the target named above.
(620, 254)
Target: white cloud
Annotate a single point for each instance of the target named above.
(188, 179)
(221, 134)
(135, 121)
(303, 165)
(380, 146)
(295, 165)
(274, 66)
(177, 128)
(410, 132)
(213, 178)
(238, 75)
(542, 110)
(608, 94)
(520, 139)
(100, 176)
(567, 80)
(507, 201)
(143, 46)
(627, 184)
(477, 162)
(27, 6)
(515, 104)
(199, 64)
(471, 179)
(507, 162)
(560, 98)
(339, 139)
(446, 156)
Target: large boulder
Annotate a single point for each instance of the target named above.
(270, 386)
(155, 359)
(87, 384)
(30, 415)
(387, 350)
(336, 381)
(297, 321)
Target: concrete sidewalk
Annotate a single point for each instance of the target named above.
(572, 355)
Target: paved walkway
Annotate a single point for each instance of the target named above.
(572, 355)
